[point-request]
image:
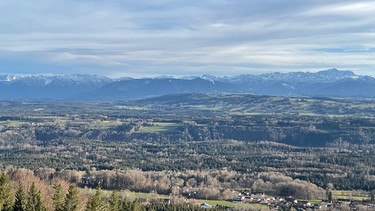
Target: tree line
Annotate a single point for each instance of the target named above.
(39, 196)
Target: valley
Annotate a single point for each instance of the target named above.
(313, 139)
(208, 143)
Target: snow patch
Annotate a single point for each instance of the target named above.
(287, 85)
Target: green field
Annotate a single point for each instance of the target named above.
(159, 127)
(149, 196)
(138, 108)
(107, 124)
(347, 194)
(236, 205)
(12, 123)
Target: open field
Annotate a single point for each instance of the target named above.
(235, 205)
(154, 196)
(351, 194)
(131, 108)
(158, 127)
(12, 123)
(107, 124)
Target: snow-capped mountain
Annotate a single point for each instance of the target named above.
(327, 83)
(59, 87)
(75, 79)
(325, 76)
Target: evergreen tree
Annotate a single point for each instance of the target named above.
(96, 203)
(21, 200)
(329, 196)
(71, 200)
(126, 205)
(114, 201)
(136, 206)
(34, 200)
(58, 197)
(6, 193)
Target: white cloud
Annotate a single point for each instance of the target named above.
(347, 8)
(167, 37)
(77, 58)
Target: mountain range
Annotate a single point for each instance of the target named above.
(326, 83)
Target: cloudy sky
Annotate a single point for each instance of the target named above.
(141, 38)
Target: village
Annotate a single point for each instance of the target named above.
(290, 203)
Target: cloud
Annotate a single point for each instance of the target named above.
(165, 37)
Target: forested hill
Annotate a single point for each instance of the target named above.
(245, 117)
(198, 117)
(316, 139)
(250, 104)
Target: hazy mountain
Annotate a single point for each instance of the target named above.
(142, 88)
(360, 87)
(325, 76)
(57, 87)
(327, 83)
(293, 83)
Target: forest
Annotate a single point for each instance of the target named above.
(211, 145)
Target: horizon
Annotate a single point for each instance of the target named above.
(164, 37)
(172, 76)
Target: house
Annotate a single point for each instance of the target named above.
(206, 206)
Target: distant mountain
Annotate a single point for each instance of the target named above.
(325, 76)
(57, 87)
(284, 84)
(293, 83)
(359, 87)
(326, 83)
(144, 88)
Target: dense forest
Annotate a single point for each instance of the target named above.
(211, 144)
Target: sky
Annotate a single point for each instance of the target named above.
(142, 38)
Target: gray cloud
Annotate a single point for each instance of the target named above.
(165, 37)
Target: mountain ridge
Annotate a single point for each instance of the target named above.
(325, 83)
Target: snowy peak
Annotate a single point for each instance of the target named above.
(332, 75)
(8, 78)
(60, 87)
(77, 78)
(328, 83)
(325, 76)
